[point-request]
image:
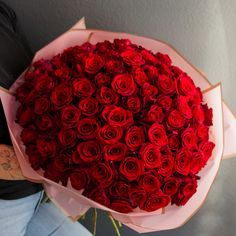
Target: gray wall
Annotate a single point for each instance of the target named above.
(203, 31)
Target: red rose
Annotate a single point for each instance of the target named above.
(137, 195)
(164, 58)
(22, 92)
(24, 116)
(122, 206)
(170, 186)
(83, 88)
(157, 135)
(165, 84)
(122, 44)
(202, 132)
(151, 72)
(198, 114)
(61, 96)
(79, 179)
(67, 137)
(44, 123)
(134, 104)
(115, 152)
(35, 159)
(70, 116)
(53, 174)
(119, 189)
(124, 84)
(131, 168)
(117, 116)
(107, 96)
(93, 63)
(150, 182)
(99, 196)
(185, 192)
(189, 138)
(114, 67)
(183, 161)
(132, 58)
(41, 105)
(28, 136)
(43, 84)
(88, 106)
(167, 164)
(47, 148)
(87, 128)
(76, 158)
(185, 85)
(165, 102)
(176, 71)
(149, 90)
(102, 174)
(155, 201)
(61, 162)
(151, 156)
(208, 113)
(140, 77)
(134, 138)
(175, 119)
(149, 57)
(102, 80)
(196, 98)
(155, 114)
(184, 107)
(198, 162)
(207, 148)
(110, 134)
(88, 151)
(174, 141)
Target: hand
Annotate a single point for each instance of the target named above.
(9, 166)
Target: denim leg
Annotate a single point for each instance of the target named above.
(50, 221)
(16, 214)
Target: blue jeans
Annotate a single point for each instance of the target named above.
(29, 217)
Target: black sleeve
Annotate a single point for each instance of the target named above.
(14, 58)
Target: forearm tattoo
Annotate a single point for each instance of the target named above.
(9, 166)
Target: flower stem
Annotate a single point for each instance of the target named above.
(95, 216)
(83, 216)
(114, 225)
(119, 223)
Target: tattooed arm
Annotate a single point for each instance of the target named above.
(9, 166)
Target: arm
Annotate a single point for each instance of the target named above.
(9, 166)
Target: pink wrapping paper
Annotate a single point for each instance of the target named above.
(70, 201)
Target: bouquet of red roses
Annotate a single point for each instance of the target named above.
(108, 120)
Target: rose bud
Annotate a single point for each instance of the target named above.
(88, 151)
(131, 168)
(79, 179)
(83, 88)
(93, 63)
(115, 152)
(124, 84)
(151, 155)
(134, 138)
(155, 201)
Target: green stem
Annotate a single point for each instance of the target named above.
(95, 216)
(83, 216)
(119, 223)
(114, 225)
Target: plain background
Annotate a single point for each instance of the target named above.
(202, 30)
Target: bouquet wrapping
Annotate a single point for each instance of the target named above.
(222, 130)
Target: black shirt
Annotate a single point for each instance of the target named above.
(14, 58)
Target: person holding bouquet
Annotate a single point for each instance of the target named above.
(22, 210)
